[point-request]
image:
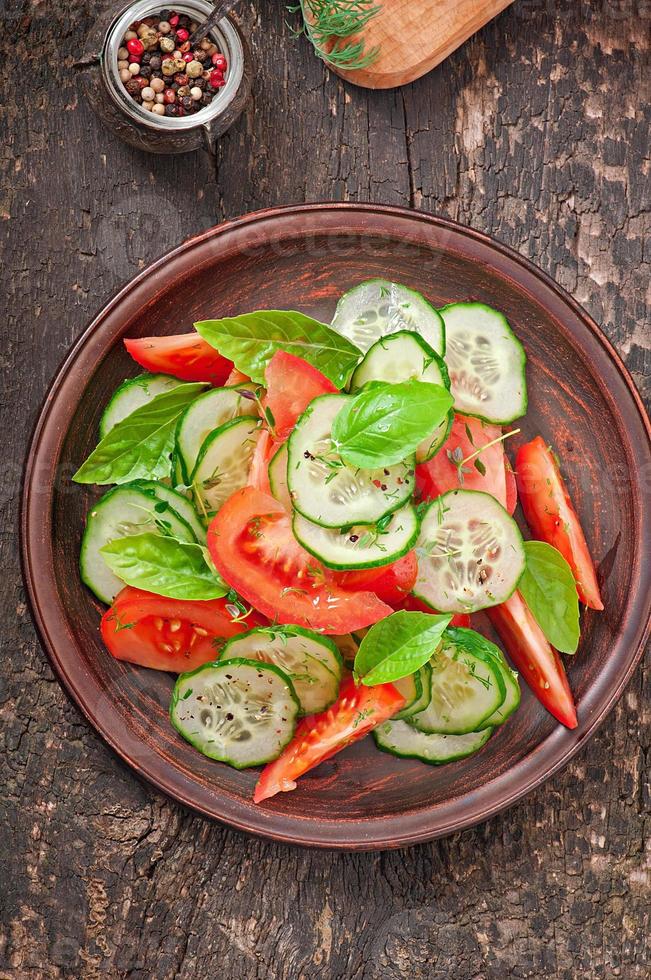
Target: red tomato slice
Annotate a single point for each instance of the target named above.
(170, 634)
(412, 603)
(253, 547)
(318, 737)
(186, 356)
(550, 515)
(259, 472)
(391, 583)
(292, 384)
(538, 662)
(467, 435)
(236, 378)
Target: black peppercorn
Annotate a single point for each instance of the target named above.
(145, 71)
(187, 102)
(199, 83)
(164, 15)
(155, 62)
(171, 110)
(184, 21)
(206, 99)
(133, 88)
(156, 74)
(146, 58)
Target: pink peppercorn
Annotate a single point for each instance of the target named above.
(187, 57)
(182, 34)
(174, 20)
(216, 79)
(169, 95)
(134, 46)
(219, 61)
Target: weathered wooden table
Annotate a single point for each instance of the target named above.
(536, 131)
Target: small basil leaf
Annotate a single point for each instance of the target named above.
(165, 566)
(398, 645)
(548, 587)
(382, 425)
(140, 446)
(251, 340)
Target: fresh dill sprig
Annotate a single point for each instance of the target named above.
(329, 23)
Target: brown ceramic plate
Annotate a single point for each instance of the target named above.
(581, 399)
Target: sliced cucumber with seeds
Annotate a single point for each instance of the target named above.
(207, 413)
(178, 502)
(278, 477)
(402, 739)
(470, 553)
(486, 362)
(377, 307)
(467, 688)
(224, 463)
(326, 490)
(405, 356)
(132, 394)
(401, 356)
(473, 641)
(238, 711)
(424, 680)
(125, 510)
(360, 546)
(312, 662)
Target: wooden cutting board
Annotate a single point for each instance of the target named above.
(416, 35)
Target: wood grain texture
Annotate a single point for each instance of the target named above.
(414, 36)
(537, 130)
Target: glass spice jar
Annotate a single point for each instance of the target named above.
(145, 130)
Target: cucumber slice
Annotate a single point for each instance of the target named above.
(467, 688)
(377, 307)
(312, 662)
(470, 553)
(404, 356)
(178, 502)
(360, 546)
(236, 711)
(326, 490)
(486, 362)
(347, 646)
(401, 739)
(424, 676)
(472, 640)
(124, 510)
(209, 412)
(223, 464)
(278, 477)
(132, 394)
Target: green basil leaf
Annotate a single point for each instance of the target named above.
(251, 340)
(548, 588)
(382, 425)
(398, 645)
(140, 446)
(168, 567)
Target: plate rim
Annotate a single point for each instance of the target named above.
(350, 834)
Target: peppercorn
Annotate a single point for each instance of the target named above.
(174, 20)
(183, 90)
(135, 46)
(157, 84)
(196, 93)
(134, 68)
(168, 66)
(145, 71)
(185, 47)
(155, 61)
(187, 102)
(171, 110)
(184, 21)
(206, 98)
(165, 14)
(146, 58)
(170, 96)
(133, 88)
(167, 45)
(194, 69)
(181, 79)
(160, 110)
(125, 76)
(199, 83)
(182, 35)
(123, 53)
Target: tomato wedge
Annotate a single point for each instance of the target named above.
(170, 634)
(467, 435)
(253, 547)
(414, 604)
(236, 378)
(186, 356)
(357, 711)
(391, 583)
(259, 472)
(292, 384)
(539, 664)
(550, 515)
